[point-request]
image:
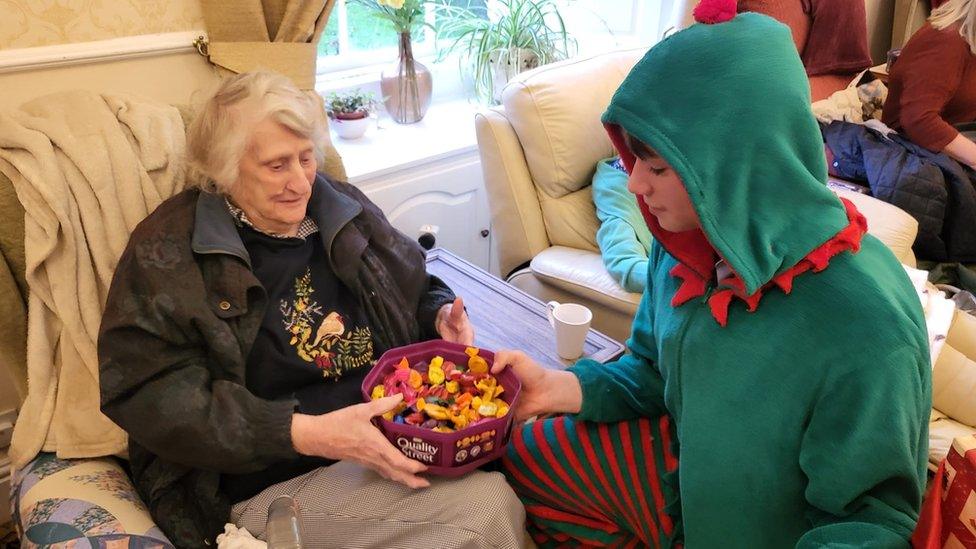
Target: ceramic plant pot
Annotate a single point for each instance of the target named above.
(350, 125)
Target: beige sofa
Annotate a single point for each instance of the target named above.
(538, 153)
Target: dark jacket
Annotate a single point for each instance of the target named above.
(933, 188)
(182, 313)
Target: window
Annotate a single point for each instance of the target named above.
(355, 42)
(354, 38)
(604, 25)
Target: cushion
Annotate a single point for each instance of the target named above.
(954, 374)
(942, 431)
(571, 219)
(80, 502)
(954, 384)
(888, 223)
(555, 111)
(582, 273)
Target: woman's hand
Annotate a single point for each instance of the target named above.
(453, 325)
(347, 434)
(543, 390)
(963, 150)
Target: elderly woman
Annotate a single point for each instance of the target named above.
(241, 321)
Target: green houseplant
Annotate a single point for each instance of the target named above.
(516, 36)
(350, 112)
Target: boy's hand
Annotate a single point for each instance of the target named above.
(543, 390)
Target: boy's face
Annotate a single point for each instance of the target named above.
(659, 186)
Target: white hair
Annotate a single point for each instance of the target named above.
(220, 132)
(957, 11)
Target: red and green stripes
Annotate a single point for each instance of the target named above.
(594, 484)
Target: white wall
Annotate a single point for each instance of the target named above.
(34, 36)
(172, 77)
(33, 23)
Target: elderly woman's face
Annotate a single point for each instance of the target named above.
(276, 175)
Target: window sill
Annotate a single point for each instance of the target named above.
(387, 147)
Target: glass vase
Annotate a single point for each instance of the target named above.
(406, 86)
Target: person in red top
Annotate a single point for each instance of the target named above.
(933, 83)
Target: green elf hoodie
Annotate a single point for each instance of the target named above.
(800, 383)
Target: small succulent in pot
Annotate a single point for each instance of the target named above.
(349, 112)
(350, 105)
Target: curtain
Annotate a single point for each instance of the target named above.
(277, 35)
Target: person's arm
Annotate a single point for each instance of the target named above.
(865, 451)
(963, 150)
(623, 255)
(348, 434)
(930, 79)
(437, 296)
(160, 384)
(628, 388)
(623, 250)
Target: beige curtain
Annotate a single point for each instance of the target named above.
(278, 35)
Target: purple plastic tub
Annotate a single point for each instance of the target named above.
(446, 454)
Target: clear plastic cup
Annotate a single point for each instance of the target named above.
(284, 529)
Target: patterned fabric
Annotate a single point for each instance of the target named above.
(949, 515)
(78, 503)
(308, 226)
(347, 505)
(590, 484)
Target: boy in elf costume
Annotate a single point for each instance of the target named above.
(778, 348)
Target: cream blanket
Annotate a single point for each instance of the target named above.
(87, 168)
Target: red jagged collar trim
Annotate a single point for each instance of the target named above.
(693, 285)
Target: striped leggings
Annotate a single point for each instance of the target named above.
(596, 484)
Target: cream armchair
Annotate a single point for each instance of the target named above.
(539, 150)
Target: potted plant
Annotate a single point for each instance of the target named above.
(516, 36)
(349, 112)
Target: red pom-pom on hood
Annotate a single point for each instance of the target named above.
(715, 11)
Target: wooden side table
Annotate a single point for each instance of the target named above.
(505, 317)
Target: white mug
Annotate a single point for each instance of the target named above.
(571, 322)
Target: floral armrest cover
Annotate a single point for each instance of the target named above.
(80, 503)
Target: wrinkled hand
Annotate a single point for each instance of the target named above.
(347, 434)
(543, 390)
(452, 323)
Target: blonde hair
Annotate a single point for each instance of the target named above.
(957, 11)
(219, 134)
